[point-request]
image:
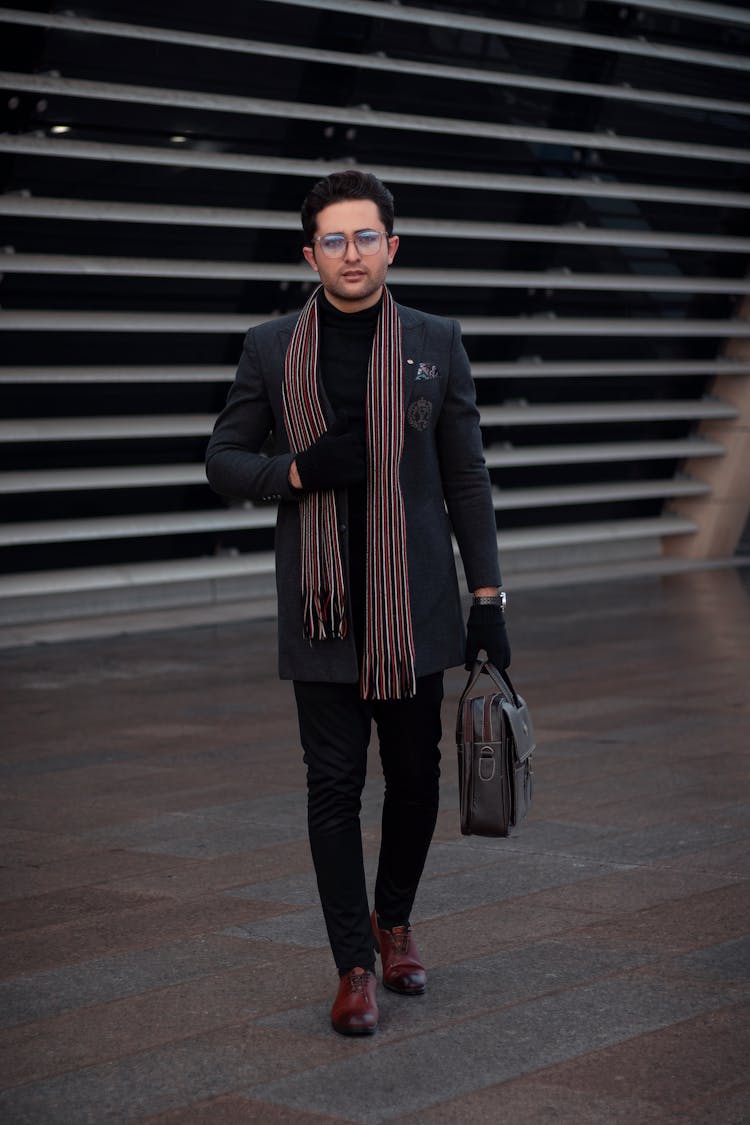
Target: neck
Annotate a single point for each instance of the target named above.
(356, 305)
(349, 320)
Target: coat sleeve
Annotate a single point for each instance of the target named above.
(466, 482)
(234, 464)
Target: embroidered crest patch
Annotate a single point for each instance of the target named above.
(419, 414)
(427, 371)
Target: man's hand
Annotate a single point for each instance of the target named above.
(486, 630)
(335, 460)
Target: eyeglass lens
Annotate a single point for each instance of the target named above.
(366, 241)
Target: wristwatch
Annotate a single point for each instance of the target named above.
(499, 599)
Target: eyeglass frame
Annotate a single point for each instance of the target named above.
(340, 234)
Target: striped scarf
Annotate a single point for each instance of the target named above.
(387, 670)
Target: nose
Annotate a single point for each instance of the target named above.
(352, 253)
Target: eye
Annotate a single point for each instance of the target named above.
(333, 243)
(367, 239)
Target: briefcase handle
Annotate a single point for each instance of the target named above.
(501, 680)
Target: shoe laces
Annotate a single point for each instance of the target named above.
(358, 980)
(399, 938)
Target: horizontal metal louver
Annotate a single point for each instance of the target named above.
(571, 189)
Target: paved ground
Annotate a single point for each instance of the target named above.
(163, 957)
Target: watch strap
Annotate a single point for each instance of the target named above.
(498, 599)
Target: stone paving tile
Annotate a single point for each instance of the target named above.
(446, 828)
(634, 783)
(191, 878)
(30, 847)
(302, 928)
(103, 1032)
(538, 834)
(533, 1100)
(454, 883)
(300, 888)
(697, 1058)
(213, 830)
(155, 875)
(728, 859)
(517, 875)
(23, 766)
(283, 808)
(728, 961)
(631, 889)
(202, 840)
(675, 789)
(100, 934)
(40, 995)
(642, 766)
(154, 1081)
(241, 1111)
(83, 870)
(488, 906)
(109, 819)
(464, 853)
(296, 890)
(677, 927)
(472, 987)
(105, 773)
(690, 730)
(57, 908)
(691, 809)
(732, 1108)
(615, 920)
(443, 936)
(662, 840)
(496, 927)
(420, 1071)
(567, 780)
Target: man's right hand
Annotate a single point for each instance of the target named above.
(335, 460)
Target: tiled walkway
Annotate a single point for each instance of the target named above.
(164, 960)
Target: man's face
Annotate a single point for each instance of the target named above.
(354, 281)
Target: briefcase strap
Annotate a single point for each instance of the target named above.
(501, 681)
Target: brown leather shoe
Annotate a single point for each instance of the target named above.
(355, 1010)
(403, 970)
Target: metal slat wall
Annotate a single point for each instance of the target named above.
(572, 186)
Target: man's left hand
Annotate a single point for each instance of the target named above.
(486, 630)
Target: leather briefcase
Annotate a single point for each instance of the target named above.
(495, 742)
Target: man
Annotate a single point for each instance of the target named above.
(376, 432)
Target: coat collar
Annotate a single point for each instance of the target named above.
(412, 340)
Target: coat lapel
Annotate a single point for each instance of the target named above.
(412, 347)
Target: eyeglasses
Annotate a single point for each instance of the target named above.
(335, 245)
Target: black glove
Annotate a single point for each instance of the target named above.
(486, 630)
(335, 460)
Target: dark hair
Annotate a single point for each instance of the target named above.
(340, 186)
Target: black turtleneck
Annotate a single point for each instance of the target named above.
(345, 347)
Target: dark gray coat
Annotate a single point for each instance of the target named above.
(442, 467)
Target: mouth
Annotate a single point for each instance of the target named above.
(353, 275)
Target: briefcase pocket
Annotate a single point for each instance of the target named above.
(488, 805)
(484, 773)
(523, 778)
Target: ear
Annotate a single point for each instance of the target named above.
(310, 257)
(392, 248)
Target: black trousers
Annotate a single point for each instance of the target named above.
(335, 725)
